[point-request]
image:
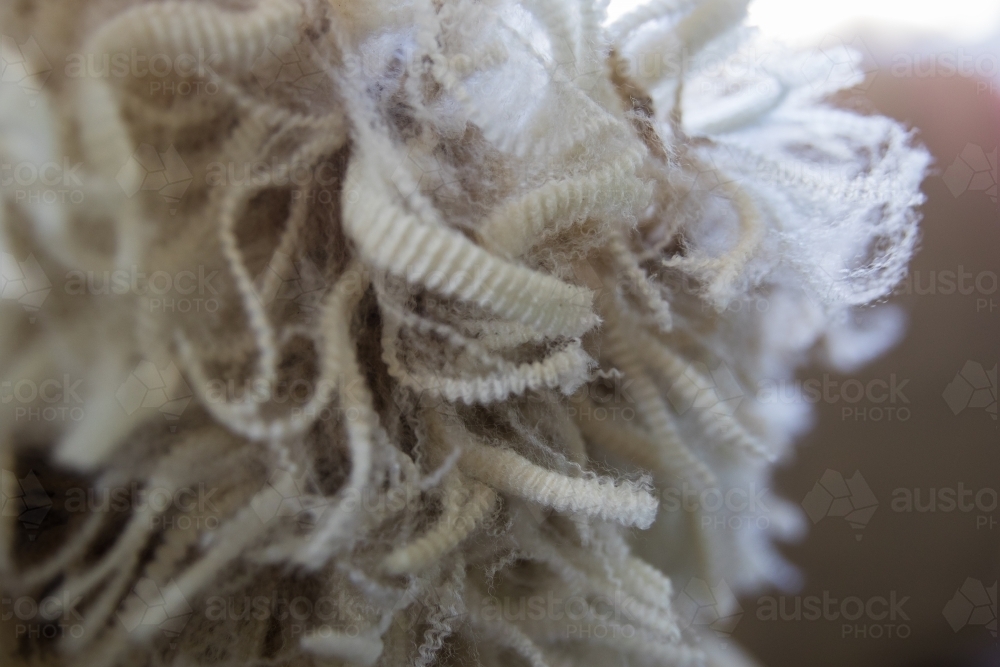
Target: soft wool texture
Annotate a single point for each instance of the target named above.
(520, 299)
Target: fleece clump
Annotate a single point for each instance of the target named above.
(486, 283)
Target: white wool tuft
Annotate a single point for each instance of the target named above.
(512, 258)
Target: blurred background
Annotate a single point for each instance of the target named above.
(924, 562)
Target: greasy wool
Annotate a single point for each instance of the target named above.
(486, 282)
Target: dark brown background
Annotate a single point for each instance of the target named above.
(925, 556)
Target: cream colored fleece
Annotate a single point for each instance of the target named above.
(435, 301)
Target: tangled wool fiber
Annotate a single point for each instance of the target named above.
(506, 251)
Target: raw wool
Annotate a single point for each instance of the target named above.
(517, 279)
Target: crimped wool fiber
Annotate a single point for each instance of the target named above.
(486, 283)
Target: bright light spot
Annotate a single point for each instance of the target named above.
(799, 21)
(618, 7)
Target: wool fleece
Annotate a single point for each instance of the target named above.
(430, 332)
